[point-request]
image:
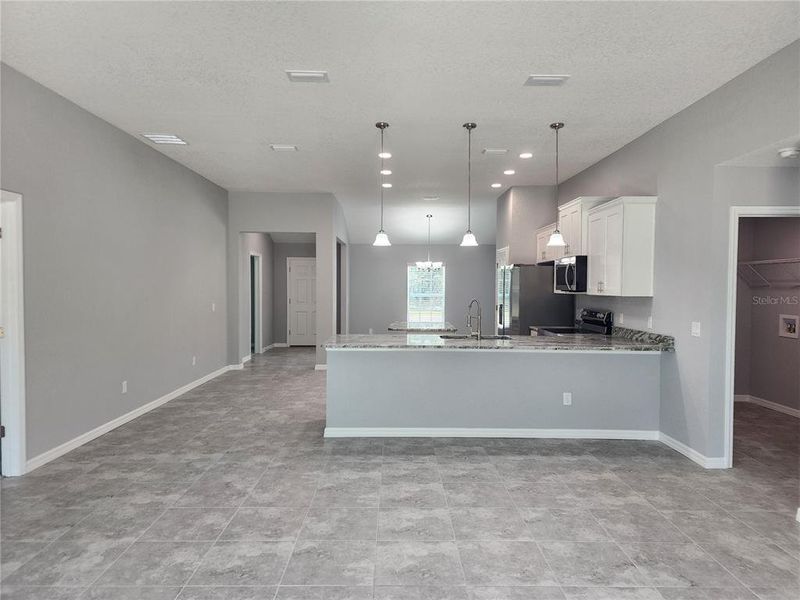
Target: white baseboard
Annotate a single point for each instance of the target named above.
(270, 347)
(716, 462)
(280, 345)
(484, 432)
(320, 367)
(247, 358)
(797, 516)
(787, 410)
(53, 453)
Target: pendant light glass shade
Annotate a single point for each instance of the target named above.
(381, 239)
(469, 237)
(556, 239)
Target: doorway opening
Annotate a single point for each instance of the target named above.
(12, 337)
(763, 285)
(256, 304)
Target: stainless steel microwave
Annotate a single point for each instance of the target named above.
(570, 274)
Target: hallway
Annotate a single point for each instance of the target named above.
(230, 492)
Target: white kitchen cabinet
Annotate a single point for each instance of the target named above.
(573, 222)
(544, 252)
(621, 247)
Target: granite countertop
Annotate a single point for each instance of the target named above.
(519, 343)
(404, 326)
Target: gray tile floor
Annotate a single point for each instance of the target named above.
(230, 492)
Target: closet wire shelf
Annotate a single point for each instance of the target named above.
(772, 273)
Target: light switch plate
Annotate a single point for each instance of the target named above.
(567, 398)
(620, 318)
(124, 387)
(650, 322)
(696, 328)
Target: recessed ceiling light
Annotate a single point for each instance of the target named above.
(789, 152)
(526, 155)
(384, 155)
(386, 171)
(509, 172)
(164, 138)
(283, 147)
(546, 80)
(430, 198)
(497, 185)
(494, 150)
(298, 76)
(386, 185)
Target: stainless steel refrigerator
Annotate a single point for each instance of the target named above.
(525, 297)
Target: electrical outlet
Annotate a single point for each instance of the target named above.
(194, 360)
(567, 398)
(125, 387)
(213, 307)
(696, 328)
(620, 318)
(650, 322)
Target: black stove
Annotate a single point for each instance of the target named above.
(590, 321)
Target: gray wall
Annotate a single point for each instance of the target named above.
(378, 283)
(769, 362)
(521, 211)
(676, 161)
(282, 252)
(457, 388)
(260, 243)
(124, 256)
(281, 213)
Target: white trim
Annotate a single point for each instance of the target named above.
(719, 462)
(485, 432)
(12, 356)
(280, 345)
(797, 516)
(320, 367)
(270, 347)
(736, 213)
(247, 358)
(53, 453)
(787, 410)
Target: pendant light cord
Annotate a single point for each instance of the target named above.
(429, 238)
(381, 179)
(469, 179)
(556, 165)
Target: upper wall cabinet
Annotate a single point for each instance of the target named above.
(572, 223)
(621, 247)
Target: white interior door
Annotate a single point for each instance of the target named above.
(302, 301)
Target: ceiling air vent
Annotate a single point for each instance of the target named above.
(495, 151)
(297, 76)
(284, 148)
(546, 80)
(164, 138)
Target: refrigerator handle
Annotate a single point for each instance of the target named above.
(500, 307)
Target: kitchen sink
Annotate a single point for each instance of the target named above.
(453, 336)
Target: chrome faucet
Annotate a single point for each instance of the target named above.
(470, 319)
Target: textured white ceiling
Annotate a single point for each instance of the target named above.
(213, 73)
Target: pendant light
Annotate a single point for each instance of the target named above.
(469, 237)
(381, 239)
(429, 265)
(556, 239)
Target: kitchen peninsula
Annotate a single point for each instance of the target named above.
(422, 385)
